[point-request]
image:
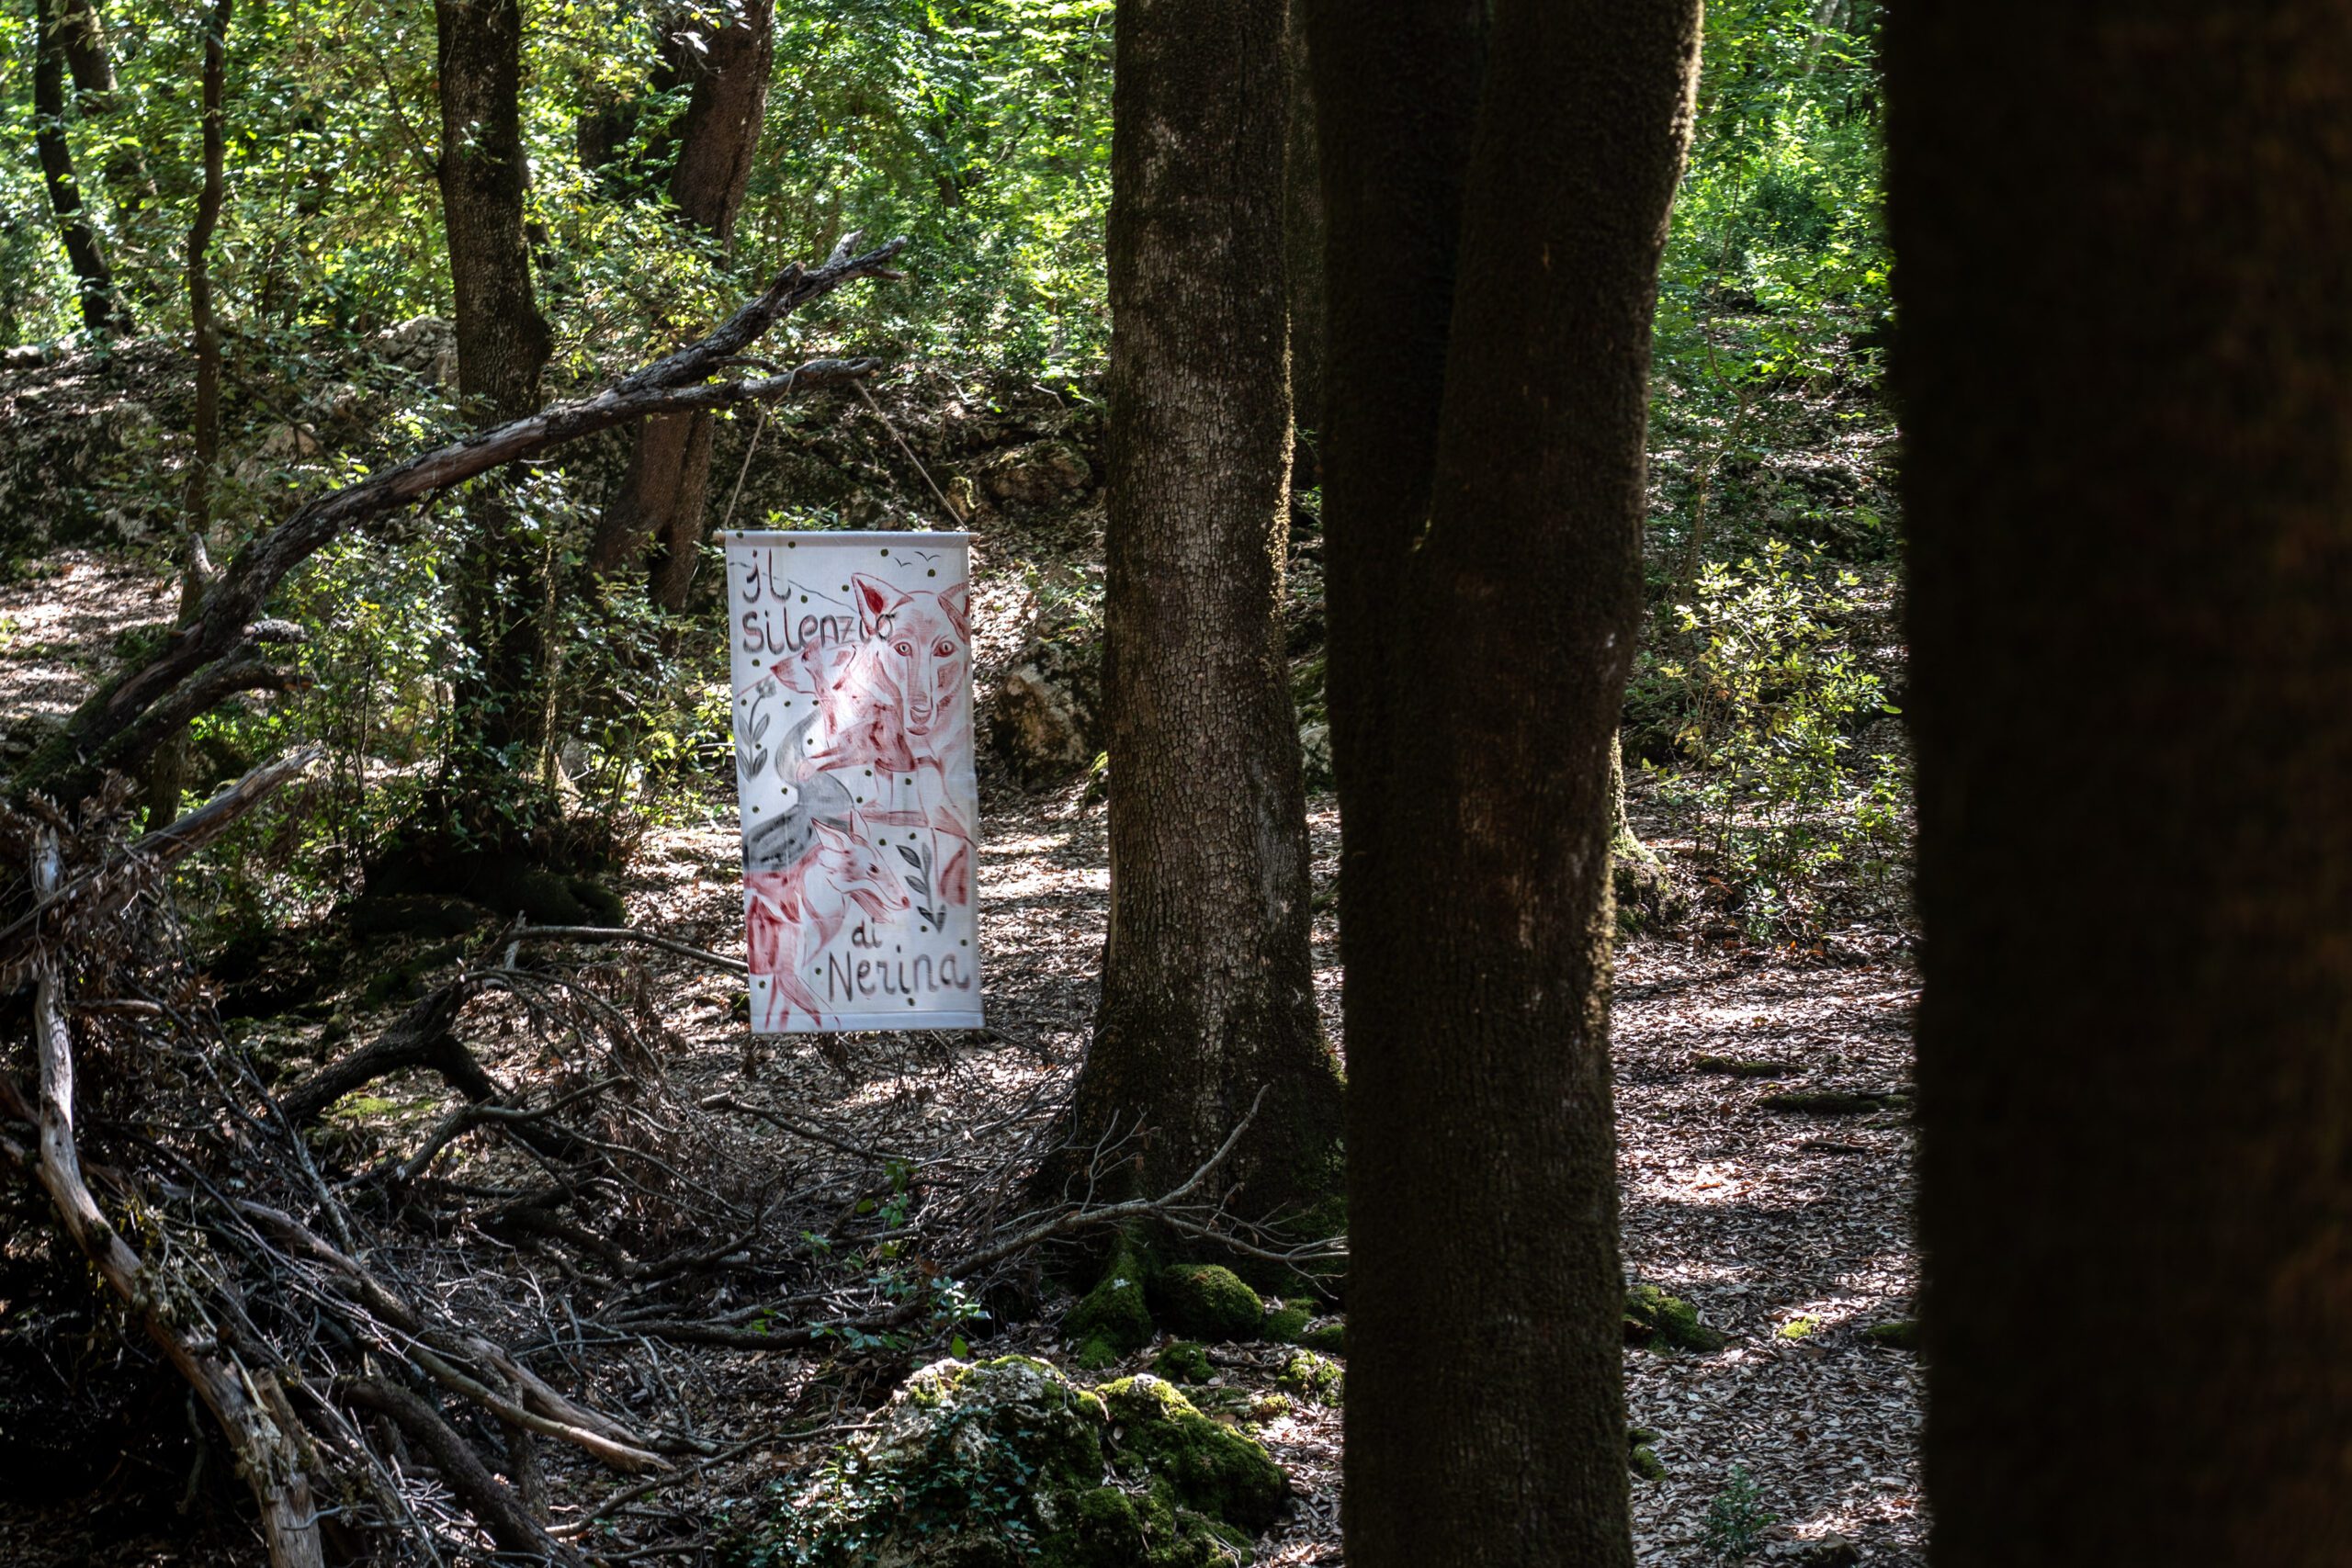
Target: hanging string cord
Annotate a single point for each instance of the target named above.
(945, 504)
(752, 445)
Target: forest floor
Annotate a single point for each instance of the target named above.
(1788, 1231)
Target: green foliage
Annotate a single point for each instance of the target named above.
(1736, 1519)
(1771, 696)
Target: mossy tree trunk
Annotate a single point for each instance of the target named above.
(661, 501)
(2126, 370)
(1207, 986)
(1496, 196)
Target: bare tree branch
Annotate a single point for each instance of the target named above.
(677, 383)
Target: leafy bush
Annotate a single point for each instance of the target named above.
(1736, 1522)
(1772, 697)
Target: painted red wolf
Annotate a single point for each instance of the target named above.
(791, 914)
(893, 702)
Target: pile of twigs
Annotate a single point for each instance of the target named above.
(398, 1345)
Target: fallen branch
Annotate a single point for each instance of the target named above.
(95, 891)
(502, 1513)
(718, 961)
(266, 1455)
(678, 383)
(421, 1037)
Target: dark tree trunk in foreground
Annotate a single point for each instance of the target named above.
(1303, 250)
(102, 307)
(168, 775)
(1207, 992)
(502, 348)
(659, 503)
(2126, 365)
(1497, 204)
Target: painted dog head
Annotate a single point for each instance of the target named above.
(919, 650)
(855, 868)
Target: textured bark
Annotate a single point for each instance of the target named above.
(1496, 208)
(2126, 374)
(1207, 988)
(503, 341)
(103, 309)
(661, 499)
(1302, 252)
(502, 348)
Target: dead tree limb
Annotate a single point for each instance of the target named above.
(266, 1455)
(718, 961)
(678, 383)
(104, 886)
(502, 1513)
(421, 1037)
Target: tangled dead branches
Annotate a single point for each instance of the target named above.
(400, 1345)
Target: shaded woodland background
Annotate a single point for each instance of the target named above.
(420, 1098)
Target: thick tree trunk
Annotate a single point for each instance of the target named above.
(503, 341)
(502, 348)
(2126, 369)
(1303, 253)
(1497, 207)
(103, 309)
(1207, 988)
(661, 501)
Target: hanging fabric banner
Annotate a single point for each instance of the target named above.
(852, 675)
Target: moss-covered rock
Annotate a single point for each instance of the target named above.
(1095, 1356)
(1182, 1361)
(1331, 1339)
(1207, 1301)
(1210, 1469)
(1661, 1321)
(1114, 1312)
(1898, 1334)
(1644, 1462)
(1314, 1377)
(1284, 1325)
(1002, 1464)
